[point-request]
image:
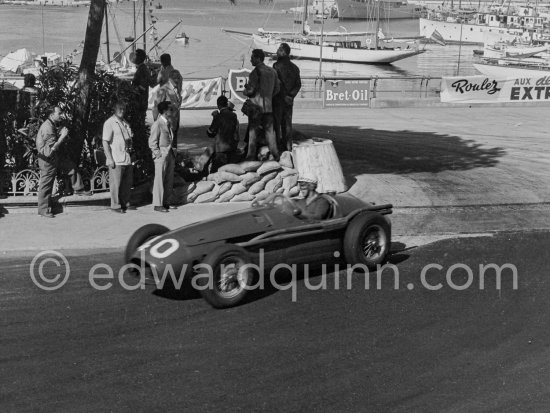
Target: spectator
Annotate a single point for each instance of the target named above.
(49, 145)
(283, 103)
(262, 85)
(171, 92)
(117, 143)
(164, 157)
(141, 81)
(225, 128)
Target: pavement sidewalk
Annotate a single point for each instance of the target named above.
(446, 170)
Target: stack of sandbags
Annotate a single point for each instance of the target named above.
(248, 181)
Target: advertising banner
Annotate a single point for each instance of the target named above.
(196, 94)
(479, 89)
(349, 93)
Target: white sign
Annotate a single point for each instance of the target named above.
(479, 89)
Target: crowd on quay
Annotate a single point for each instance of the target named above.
(269, 109)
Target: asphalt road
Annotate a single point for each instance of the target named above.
(334, 350)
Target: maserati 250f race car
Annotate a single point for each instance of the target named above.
(271, 228)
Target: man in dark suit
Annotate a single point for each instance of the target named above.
(262, 85)
(283, 103)
(225, 128)
(160, 142)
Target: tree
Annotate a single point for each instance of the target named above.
(92, 43)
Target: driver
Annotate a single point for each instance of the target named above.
(311, 205)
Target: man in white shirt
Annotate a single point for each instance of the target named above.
(117, 143)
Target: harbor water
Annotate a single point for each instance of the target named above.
(210, 51)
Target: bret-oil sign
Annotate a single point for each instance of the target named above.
(475, 89)
(349, 93)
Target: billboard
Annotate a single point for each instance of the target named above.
(348, 93)
(482, 89)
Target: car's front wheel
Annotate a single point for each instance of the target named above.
(141, 236)
(226, 276)
(367, 240)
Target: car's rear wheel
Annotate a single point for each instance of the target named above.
(141, 236)
(230, 277)
(367, 240)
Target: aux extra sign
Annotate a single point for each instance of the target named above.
(349, 93)
(476, 89)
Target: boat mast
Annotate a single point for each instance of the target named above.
(322, 34)
(134, 48)
(144, 26)
(107, 34)
(377, 24)
(304, 17)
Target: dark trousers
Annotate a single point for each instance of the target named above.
(120, 185)
(282, 116)
(264, 121)
(48, 171)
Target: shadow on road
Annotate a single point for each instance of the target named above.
(374, 151)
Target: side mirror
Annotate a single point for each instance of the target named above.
(297, 212)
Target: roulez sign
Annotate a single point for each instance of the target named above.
(479, 89)
(349, 93)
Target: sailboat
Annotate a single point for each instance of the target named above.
(337, 46)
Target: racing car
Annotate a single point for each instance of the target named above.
(268, 233)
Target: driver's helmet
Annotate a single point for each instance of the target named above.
(307, 180)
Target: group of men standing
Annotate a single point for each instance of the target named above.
(271, 91)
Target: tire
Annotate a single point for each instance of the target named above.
(367, 240)
(141, 236)
(215, 292)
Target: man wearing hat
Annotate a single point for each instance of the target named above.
(311, 205)
(225, 128)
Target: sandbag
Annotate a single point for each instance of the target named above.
(269, 176)
(250, 178)
(238, 189)
(202, 187)
(290, 181)
(207, 197)
(294, 191)
(245, 196)
(224, 176)
(226, 197)
(256, 188)
(286, 160)
(288, 172)
(226, 186)
(268, 166)
(261, 196)
(232, 168)
(250, 166)
(274, 184)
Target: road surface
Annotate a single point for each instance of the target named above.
(337, 350)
